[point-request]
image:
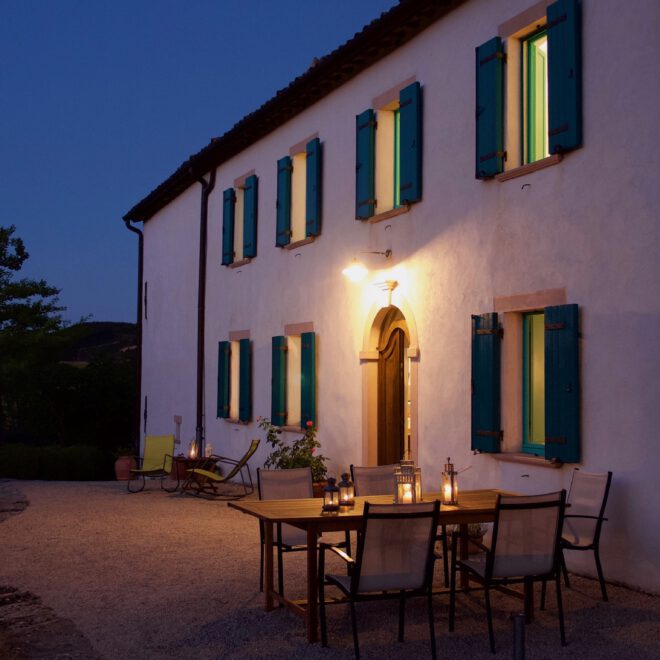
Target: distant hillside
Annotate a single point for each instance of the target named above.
(85, 341)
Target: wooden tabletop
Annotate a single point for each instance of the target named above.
(472, 504)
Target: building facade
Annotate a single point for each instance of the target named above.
(509, 316)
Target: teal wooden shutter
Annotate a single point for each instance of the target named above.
(284, 169)
(365, 154)
(224, 367)
(490, 109)
(278, 382)
(307, 378)
(486, 428)
(562, 384)
(564, 76)
(410, 158)
(313, 188)
(245, 380)
(228, 208)
(250, 197)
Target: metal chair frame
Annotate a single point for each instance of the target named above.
(489, 581)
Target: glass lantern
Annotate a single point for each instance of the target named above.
(449, 485)
(346, 490)
(404, 483)
(331, 496)
(418, 484)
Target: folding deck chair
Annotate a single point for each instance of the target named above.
(206, 482)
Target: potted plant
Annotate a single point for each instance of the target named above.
(300, 453)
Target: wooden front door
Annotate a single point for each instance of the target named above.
(391, 398)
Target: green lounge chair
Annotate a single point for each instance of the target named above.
(205, 482)
(156, 463)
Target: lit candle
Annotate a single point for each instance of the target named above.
(446, 494)
(407, 494)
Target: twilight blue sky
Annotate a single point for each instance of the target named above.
(101, 101)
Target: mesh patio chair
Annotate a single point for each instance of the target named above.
(376, 480)
(524, 549)
(379, 480)
(156, 463)
(206, 482)
(587, 498)
(284, 485)
(394, 561)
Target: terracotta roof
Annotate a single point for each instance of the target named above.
(376, 40)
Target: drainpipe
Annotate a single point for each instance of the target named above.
(138, 375)
(207, 188)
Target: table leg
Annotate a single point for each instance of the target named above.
(312, 617)
(463, 554)
(268, 564)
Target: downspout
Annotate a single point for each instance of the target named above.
(207, 188)
(138, 375)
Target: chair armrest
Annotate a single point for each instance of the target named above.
(338, 551)
(576, 515)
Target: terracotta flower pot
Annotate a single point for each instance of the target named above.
(123, 464)
(318, 487)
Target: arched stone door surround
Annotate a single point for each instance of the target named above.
(378, 321)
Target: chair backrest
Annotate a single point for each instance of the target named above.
(158, 451)
(378, 480)
(526, 535)
(285, 484)
(395, 550)
(246, 457)
(587, 497)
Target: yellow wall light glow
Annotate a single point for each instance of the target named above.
(356, 271)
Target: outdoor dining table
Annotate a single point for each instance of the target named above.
(474, 506)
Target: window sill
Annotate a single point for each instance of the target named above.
(229, 420)
(386, 215)
(527, 459)
(297, 244)
(293, 429)
(529, 168)
(238, 264)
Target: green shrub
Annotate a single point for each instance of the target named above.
(56, 463)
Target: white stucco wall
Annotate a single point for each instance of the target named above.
(169, 345)
(588, 224)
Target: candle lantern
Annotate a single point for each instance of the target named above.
(346, 490)
(404, 483)
(331, 496)
(449, 484)
(192, 449)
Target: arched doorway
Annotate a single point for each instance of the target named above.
(393, 389)
(389, 360)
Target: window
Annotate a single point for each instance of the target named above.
(535, 96)
(239, 238)
(235, 378)
(299, 194)
(533, 383)
(537, 114)
(549, 404)
(293, 394)
(388, 170)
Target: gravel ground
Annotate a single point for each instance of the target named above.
(98, 573)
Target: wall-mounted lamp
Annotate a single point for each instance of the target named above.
(357, 270)
(389, 286)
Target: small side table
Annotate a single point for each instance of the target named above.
(181, 465)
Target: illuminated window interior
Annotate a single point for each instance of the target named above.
(238, 225)
(535, 96)
(298, 196)
(534, 382)
(387, 158)
(293, 381)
